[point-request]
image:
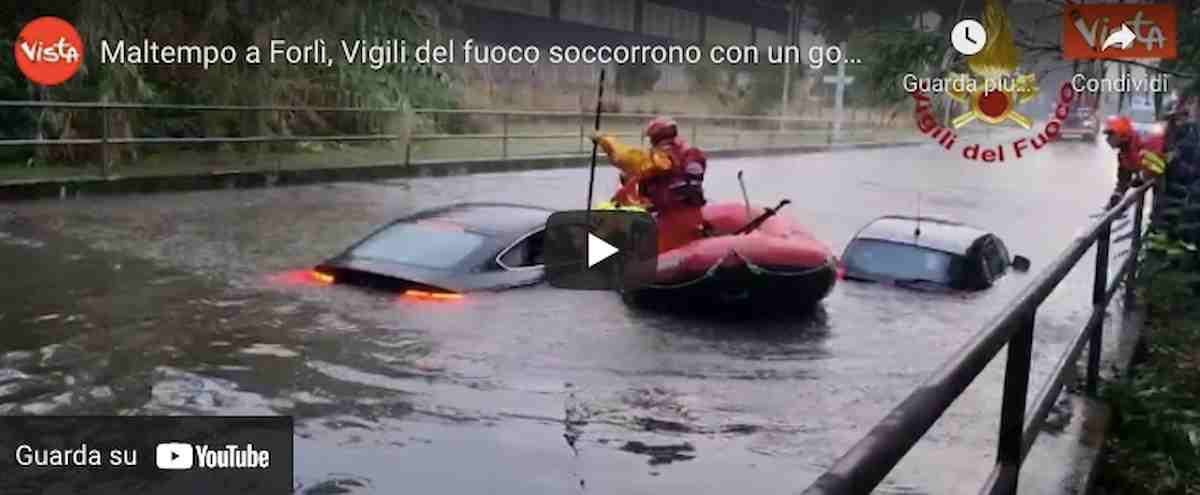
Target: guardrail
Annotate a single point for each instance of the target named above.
(866, 464)
(776, 130)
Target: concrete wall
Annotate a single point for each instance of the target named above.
(611, 14)
(539, 8)
(726, 32)
(670, 22)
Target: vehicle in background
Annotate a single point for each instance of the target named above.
(442, 252)
(1143, 119)
(1081, 122)
(928, 253)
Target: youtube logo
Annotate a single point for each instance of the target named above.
(600, 249)
(1119, 31)
(173, 456)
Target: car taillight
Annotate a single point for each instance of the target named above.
(424, 294)
(321, 277)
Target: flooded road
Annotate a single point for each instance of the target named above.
(196, 304)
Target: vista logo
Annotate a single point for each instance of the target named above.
(48, 50)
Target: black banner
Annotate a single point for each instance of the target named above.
(167, 455)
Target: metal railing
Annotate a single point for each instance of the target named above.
(870, 460)
(777, 131)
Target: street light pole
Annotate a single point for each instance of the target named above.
(787, 68)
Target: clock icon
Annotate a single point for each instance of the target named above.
(968, 37)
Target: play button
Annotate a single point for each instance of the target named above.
(598, 250)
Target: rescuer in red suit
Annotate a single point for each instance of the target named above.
(669, 180)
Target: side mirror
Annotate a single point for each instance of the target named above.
(1020, 263)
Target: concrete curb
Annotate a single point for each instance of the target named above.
(238, 179)
(1076, 447)
(1132, 333)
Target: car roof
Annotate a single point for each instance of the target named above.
(487, 218)
(936, 233)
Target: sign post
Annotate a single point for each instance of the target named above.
(841, 80)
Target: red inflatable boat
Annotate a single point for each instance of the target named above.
(779, 264)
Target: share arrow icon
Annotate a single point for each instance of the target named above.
(1122, 37)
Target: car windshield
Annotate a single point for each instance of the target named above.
(427, 245)
(899, 261)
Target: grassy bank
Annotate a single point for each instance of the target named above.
(1155, 445)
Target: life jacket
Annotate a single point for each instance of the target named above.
(683, 184)
(1154, 144)
(1129, 156)
(1154, 139)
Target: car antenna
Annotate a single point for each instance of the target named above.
(745, 196)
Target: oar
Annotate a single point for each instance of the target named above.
(595, 145)
(745, 196)
(757, 222)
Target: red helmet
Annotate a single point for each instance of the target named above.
(661, 128)
(1119, 125)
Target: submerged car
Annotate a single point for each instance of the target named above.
(445, 251)
(924, 252)
(1081, 122)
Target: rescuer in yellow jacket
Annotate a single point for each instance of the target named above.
(636, 165)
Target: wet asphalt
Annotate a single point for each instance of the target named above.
(196, 303)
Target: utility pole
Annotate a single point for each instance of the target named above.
(839, 93)
(787, 67)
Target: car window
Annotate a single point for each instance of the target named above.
(427, 245)
(899, 261)
(526, 253)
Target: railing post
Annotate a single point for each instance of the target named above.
(255, 148)
(408, 146)
(737, 133)
(104, 136)
(829, 133)
(1012, 408)
(581, 136)
(504, 138)
(1099, 288)
(1135, 250)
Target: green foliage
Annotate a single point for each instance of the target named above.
(895, 53)
(637, 79)
(1155, 445)
(705, 75)
(753, 89)
(1187, 60)
(14, 122)
(1170, 274)
(839, 20)
(238, 24)
(764, 91)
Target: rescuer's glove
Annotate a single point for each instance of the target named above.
(1114, 199)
